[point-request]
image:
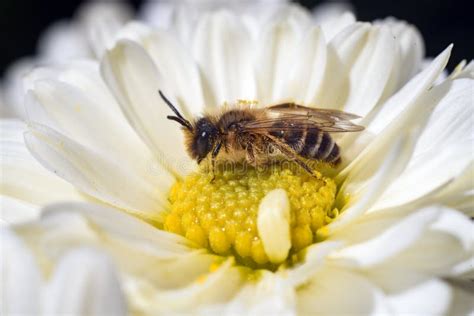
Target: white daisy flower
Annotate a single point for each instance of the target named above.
(385, 233)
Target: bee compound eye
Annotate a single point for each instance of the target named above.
(203, 144)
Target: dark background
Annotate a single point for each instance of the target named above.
(440, 22)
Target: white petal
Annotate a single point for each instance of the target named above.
(366, 227)
(371, 71)
(396, 279)
(274, 61)
(135, 81)
(335, 85)
(141, 251)
(102, 177)
(448, 242)
(452, 121)
(465, 72)
(426, 175)
(349, 42)
(14, 211)
(273, 223)
(331, 10)
(341, 53)
(85, 282)
(67, 96)
(413, 120)
(147, 257)
(443, 151)
(185, 19)
(61, 42)
(4, 111)
(309, 70)
(461, 302)
(12, 88)
(157, 13)
(439, 251)
(464, 270)
(459, 193)
(441, 77)
(331, 26)
(21, 280)
(23, 178)
(411, 45)
(175, 64)
(313, 261)
(429, 298)
(12, 130)
(390, 242)
(457, 70)
(121, 225)
(340, 292)
(135, 31)
(81, 74)
(100, 21)
(269, 296)
(435, 253)
(65, 108)
(269, 13)
(161, 274)
(409, 94)
(224, 52)
(366, 184)
(213, 288)
(294, 13)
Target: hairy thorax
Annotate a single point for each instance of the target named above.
(235, 141)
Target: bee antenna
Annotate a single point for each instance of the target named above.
(178, 118)
(181, 121)
(172, 107)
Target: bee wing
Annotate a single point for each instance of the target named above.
(292, 108)
(292, 117)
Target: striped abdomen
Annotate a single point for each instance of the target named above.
(310, 143)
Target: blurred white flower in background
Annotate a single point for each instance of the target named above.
(84, 36)
(325, 11)
(403, 242)
(96, 23)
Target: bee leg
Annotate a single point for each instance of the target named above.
(303, 165)
(214, 154)
(213, 164)
(250, 157)
(288, 152)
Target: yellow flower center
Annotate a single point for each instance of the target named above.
(220, 213)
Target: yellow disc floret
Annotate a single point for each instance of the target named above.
(219, 211)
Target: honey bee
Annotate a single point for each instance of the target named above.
(260, 135)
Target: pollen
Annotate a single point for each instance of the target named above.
(219, 212)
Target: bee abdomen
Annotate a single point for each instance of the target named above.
(334, 156)
(293, 138)
(311, 143)
(320, 146)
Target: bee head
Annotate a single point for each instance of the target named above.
(204, 138)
